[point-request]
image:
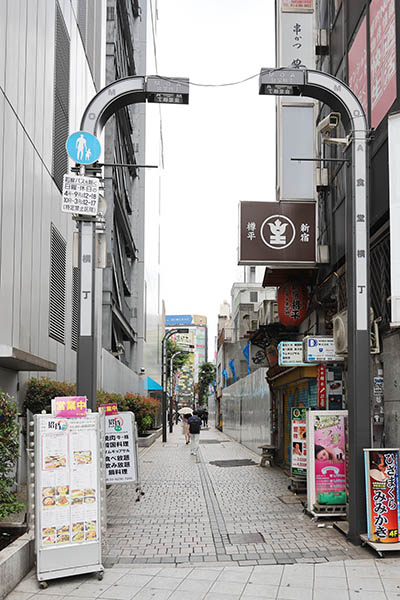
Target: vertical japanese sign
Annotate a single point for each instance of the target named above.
(67, 482)
(383, 58)
(329, 456)
(120, 448)
(382, 490)
(357, 58)
(321, 386)
(299, 443)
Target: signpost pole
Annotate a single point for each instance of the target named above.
(84, 148)
(336, 94)
(166, 337)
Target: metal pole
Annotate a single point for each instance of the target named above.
(171, 426)
(86, 359)
(164, 377)
(336, 94)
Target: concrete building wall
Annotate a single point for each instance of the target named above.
(30, 201)
(246, 410)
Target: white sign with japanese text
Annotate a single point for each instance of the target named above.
(80, 195)
(290, 354)
(320, 349)
(120, 448)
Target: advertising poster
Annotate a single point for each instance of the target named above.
(68, 502)
(299, 443)
(120, 448)
(382, 490)
(329, 456)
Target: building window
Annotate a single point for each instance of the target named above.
(253, 296)
(75, 309)
(58, 251)
(61, 100)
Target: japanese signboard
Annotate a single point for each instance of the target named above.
(299, 443)
(321, 386)
(277, 233)
(120, 448)
(80, 195)
(297, 5)
(382, 490)
(320, 349)
(297, 49)
(326, 458)
(292, 303)
(67, 495)
(108, 409)
(357, 59)
(334, 387)
(383, 58)
(69, 406)
(290, 354)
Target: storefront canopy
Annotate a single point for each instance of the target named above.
(153, 385)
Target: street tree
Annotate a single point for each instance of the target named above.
(207, 373)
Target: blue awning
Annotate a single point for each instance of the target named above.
(153, 385)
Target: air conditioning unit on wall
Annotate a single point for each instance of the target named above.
(340, 333)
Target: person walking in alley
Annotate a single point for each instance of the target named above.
(205, 417)
(185, 427)
(194, 428)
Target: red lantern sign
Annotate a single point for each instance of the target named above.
(292, 303)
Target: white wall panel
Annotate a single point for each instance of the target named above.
(25, 258)
(12, 47)
(30, 81)
(17, 246)
(3, 42)
(48, 85)
(40, 62)
(20, 108)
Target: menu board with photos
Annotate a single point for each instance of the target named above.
(67, 482)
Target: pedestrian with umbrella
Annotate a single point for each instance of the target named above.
(186, 412)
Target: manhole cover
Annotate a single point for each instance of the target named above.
(210, 441)
(290, 499)
(246, 538)
(243, 462)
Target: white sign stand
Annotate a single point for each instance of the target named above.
(68, 497)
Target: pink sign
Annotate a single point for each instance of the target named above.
(329, 451)
(358, 66)
(297, 5)
(109, 409)
(383, 58)
(69, 406)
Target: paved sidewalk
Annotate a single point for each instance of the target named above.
(196, 511)
(344, 580)
(228, 532)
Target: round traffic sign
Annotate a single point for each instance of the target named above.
(83, 147)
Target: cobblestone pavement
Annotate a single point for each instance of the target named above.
(194, 511)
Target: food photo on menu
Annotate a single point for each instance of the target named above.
(54, 462)
(82, 457)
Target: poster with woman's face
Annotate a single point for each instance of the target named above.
(329, 454)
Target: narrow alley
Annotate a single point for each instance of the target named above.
(219, 527)
(222, 508)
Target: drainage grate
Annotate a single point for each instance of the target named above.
(211, 441)
(246, 538)
(244, 462)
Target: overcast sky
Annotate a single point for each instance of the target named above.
(218, 151)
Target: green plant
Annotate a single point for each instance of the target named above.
(9, 447)
(110, 398)
(145, 410)
(207, 374)
(40, 393)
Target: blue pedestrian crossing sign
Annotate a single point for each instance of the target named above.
(83, 147)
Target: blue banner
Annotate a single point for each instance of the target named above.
(225, 374)
(233, 369)
(246, 352)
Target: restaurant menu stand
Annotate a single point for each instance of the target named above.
(69, 496)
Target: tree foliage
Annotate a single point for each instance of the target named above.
(180, 360)
(9, 448)
(207, 373)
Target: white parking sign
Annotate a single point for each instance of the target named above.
(80, 195)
